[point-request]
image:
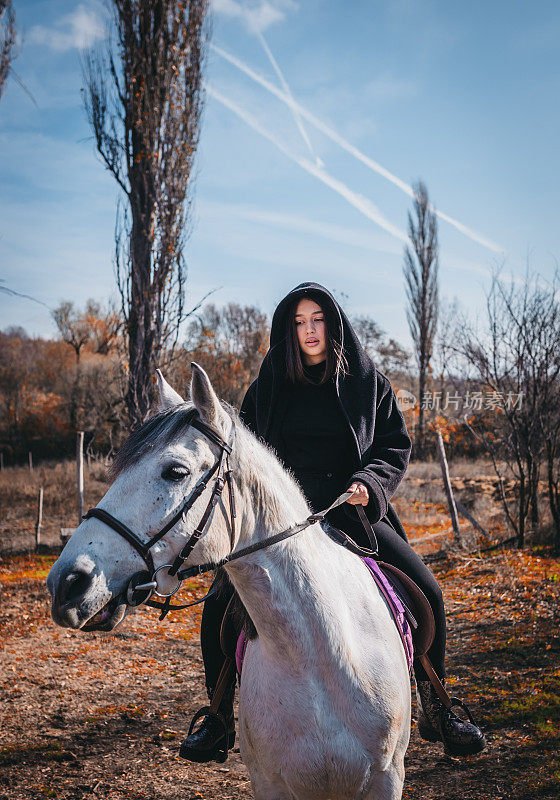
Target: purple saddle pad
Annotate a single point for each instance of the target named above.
(396, 607)
(393, 601)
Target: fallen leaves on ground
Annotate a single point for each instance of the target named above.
(103, 714)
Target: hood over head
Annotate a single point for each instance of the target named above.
(357, 389)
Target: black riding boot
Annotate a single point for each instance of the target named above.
(215, 735)
(436, 723)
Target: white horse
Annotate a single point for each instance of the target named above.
(324, 701)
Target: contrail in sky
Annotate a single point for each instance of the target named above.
(293, 108)
(360, 202)
(335, 137)
(7, 290)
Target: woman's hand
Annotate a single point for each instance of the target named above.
(360, 496)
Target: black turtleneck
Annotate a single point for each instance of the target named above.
(314, 438)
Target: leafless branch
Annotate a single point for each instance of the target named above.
(8, 37)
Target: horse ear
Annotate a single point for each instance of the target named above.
(168, 397)
(204, 397)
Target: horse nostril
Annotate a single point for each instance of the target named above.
(74, 586)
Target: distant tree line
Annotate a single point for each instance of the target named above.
(49, 389)
(498, 393)
(78, 381)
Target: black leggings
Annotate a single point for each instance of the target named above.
(394, 550)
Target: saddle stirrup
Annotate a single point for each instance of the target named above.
(218, 737)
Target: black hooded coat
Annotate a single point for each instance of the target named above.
(373, 449)
(381, 444)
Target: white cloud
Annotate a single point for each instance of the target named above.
(297, 223)
(297, 118)
(259, 14)
(75, 31)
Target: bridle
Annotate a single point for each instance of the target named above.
(143, 584)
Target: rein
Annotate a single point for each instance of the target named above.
(143, 584)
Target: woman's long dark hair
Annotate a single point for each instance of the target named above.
(335, 363)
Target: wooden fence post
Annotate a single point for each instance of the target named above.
(447, 484)
(80, 473)
(39, 521)
(465, 513)
(30, 461)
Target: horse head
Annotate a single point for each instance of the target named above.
(154, 474)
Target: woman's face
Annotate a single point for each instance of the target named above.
(311, 331)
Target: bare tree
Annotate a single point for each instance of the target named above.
(230, 343)
(7, 40)
(72, 326)
(517, 359)
(97, 326)
(421, 281)
(246, 332)
(144, 100)
(104, 325)
(387, 354)
(369, 333)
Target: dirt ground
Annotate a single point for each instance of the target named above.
(102, 715)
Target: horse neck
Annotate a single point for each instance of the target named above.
(291, 590)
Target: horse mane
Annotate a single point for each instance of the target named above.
(166, 426)
(260, 473)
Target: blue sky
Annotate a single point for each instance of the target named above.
(462, 95)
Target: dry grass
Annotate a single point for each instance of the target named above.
(420, 502)
(458, 468)
(19, 490)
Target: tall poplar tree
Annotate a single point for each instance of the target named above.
(420, 270)
(144, 98)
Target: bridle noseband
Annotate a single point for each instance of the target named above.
(143, 584)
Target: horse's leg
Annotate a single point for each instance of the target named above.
(264, 789)
(387, 785)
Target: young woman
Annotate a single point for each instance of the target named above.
(334, 422)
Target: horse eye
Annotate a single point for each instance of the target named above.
(174, 473)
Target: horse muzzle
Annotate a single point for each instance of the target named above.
(81, 600)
